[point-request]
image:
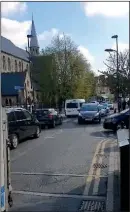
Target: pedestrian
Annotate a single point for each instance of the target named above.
(124, 104)
(119, 105)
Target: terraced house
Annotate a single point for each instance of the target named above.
(17, 85)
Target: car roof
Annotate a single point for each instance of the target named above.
(90, 104)
(44, 109)
(9, 110)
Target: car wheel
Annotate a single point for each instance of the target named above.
(99, 121)
(61, 120)
(37, 133)
(14, 141)
(79, 121)
(53, 124)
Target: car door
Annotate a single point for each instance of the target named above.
(21, 124)
(12, 126)
(30, 123)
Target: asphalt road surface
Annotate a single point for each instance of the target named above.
(65, 170)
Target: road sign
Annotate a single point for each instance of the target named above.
(18, 87)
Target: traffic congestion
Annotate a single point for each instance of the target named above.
(23, 124)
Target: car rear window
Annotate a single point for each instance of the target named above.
(42, 112)
(72, 105)
(20, 115)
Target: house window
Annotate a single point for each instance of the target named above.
(27, 67)
(22, 66)
(4, 63)
(6, 102)
(10, 102)
(15, 65)
(19, 66)
(9, 64)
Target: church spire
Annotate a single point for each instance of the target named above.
(34, 47)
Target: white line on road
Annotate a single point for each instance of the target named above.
(36, 145)
(59, 195)
(55, 174)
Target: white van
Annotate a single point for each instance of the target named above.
(72, 106)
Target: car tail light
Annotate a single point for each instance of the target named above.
(50, 116)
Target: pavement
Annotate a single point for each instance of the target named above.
(70, 168)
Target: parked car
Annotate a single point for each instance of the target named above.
(103, 110)
(21, 125)
(106, 106)
(48, 117)
(117, 120)
(89, 112)
(111, 106)
(95, 102)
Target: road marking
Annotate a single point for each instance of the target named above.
(47, 137)
(110, 186)
(36, 145)
(90, 173)
(55, 174)
(76, 196)
(98, 171)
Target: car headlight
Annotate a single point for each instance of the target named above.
(80, 114)
(113, 120)
(97, 114)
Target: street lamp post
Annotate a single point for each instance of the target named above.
(117, 72)
(117, 61)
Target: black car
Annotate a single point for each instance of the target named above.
(117, 120)
(21, 125)
(89, 112)
(48, 117)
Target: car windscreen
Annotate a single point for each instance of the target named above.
(72, 105)
(41, 112)
(89, 108)
(101, 107)
(105, 104)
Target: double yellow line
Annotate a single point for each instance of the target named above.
(91, 175)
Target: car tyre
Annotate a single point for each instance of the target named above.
(53, 124)
(61, 120)
(99, 121)
(79, 121)
(37, 133)
(14, 141)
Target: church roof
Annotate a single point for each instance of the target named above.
(10, 80)
(8, 47)
(33, 40)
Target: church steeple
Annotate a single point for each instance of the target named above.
(34, 47)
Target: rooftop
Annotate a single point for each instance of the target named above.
(8, 47)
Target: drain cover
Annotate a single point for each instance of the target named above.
(93, 205)
(99, 165)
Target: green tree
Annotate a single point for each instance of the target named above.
(63, 72)
(123, 73)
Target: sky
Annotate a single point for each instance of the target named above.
(90, 25)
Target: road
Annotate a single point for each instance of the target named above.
(65, 170)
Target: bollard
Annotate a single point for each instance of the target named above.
(124, 146)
